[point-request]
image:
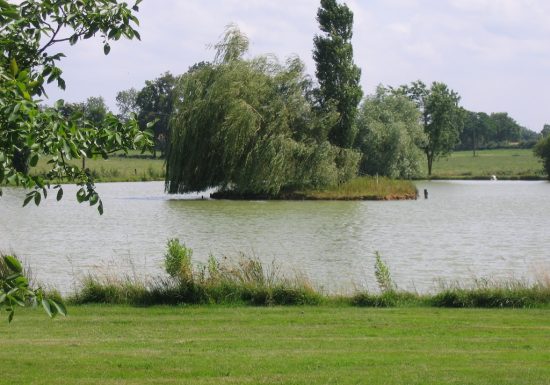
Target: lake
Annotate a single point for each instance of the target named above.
(465, 230)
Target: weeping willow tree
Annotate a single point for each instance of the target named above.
(247, 126)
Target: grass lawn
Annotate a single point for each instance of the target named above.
(275, 345)
(505, 164)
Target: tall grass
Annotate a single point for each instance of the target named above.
(246, 281)
(494, 293)
(242, 281)
(366, 188)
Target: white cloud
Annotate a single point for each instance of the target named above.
(494, 52)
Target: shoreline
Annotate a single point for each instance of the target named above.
(299, 196)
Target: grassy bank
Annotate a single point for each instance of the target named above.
(364, 188)
(296, 345)
(360, 188)
(505, 164)
(248, 282)
(257, 291)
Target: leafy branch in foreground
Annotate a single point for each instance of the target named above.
(16, 291)
(29, 30)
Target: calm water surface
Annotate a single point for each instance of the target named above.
(464, 230)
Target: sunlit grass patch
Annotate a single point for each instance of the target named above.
(504, 164)
(277, 345)
(366, 188)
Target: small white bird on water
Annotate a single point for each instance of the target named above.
(493, 177)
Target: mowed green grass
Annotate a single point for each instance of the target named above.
(506, 163)
(276, 345)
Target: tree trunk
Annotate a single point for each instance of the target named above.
(430, 163)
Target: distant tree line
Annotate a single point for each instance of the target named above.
(258, 126)
(496, 130)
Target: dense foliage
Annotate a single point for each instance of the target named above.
(29, 31)
(496, 130)
(336, 72)
(389, 135)
(246, 125)
(542, 150)
(154, 104)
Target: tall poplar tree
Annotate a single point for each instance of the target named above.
(336, 72)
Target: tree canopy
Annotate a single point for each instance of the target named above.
(247, 125)
(493, 130)
(441, 117)
(30, 31)
(336, 72)
(154, 104)
(389, 133)
(542, 150)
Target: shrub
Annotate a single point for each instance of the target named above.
(382, 274)
(177, 261)
(542, 150)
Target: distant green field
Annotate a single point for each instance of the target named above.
(119, 169)
(275, 345)
(505, 164)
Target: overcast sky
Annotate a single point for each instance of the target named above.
(494, 53)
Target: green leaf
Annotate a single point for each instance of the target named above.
(94, 199)
(28, 199)
(10, 317)
(81, 195)
(61, 309)
(14, 68)
(14, 179)
(100, 207)
(59, 194)
(34, 160)
(21, 281)
(13, 264)
(47, 307)
(53, 308)
(37, 198)
(112, 33)
(106, 49)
